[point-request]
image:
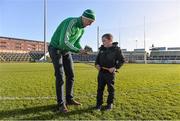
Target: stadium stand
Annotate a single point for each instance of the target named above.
(88, 57)
(20, 57)
(133, 56)
(163, 54)
(36, 55)
(22, 50)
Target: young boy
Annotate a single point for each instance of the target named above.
(108, 60)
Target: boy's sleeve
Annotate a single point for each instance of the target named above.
(120, 59)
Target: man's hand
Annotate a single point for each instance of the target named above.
(98, 67)
(112, 70)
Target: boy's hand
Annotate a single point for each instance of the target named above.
(112, 70)
(98, 67)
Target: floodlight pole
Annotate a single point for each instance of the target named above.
(45, 10)
(119, 39)
(145, 61)
(97, 38)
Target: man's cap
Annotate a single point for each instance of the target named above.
(89, 14)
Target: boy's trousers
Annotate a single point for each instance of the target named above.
(105, 78)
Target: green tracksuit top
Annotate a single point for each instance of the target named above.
(68, 34)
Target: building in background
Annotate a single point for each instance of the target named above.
(15, 45)
(21, 50)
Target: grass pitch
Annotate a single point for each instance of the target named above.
(152, 92)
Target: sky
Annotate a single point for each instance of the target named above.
(125, 19)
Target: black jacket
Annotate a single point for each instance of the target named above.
(110, 57)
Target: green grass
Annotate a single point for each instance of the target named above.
(148, 92)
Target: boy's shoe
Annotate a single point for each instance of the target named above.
(109, 107)
(73, 102)
(62, 108)
(98, 107)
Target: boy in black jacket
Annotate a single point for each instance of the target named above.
(108, 60)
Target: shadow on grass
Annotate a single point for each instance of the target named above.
(41, 112)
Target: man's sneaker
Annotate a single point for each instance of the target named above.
(98, 107)
(73, 102)
(62, 108)
(109, 107)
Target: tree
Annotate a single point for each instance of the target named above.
(88, 48)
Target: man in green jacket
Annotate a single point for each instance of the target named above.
(66, 39)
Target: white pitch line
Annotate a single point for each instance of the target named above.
(36, 98)
(143, 91)
(26, 98)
